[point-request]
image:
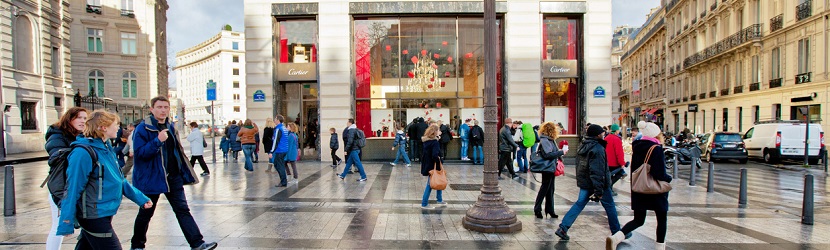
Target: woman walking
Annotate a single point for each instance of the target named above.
(246, 137)
(548, 133)
(96, 187)
(293, 148)
(430, 160)
(232, 132)
(267, 140)
(59, 136)
(640, 203)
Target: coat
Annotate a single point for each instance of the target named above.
(506, 143)
(334, 144)
(614, 151)
(293, 145)
(225, 144)
(477, 141)
(248, 135)
(446, 134)
(267, 140)
(592, 172)
(56, 140)
(150, 170)
(548, 145)
(464, 131)
(100, 199)
(196, 138)
(400, 139)
(233, 132)
(430, 155)
(655, 202)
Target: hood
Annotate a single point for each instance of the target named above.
(424, 138)
(353, 126)
(53, 130)
(234, 125)
(420, 120)
(588, 144)
(93, 142)
(153, 123)
(400, 131)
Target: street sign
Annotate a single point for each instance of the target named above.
(211, 90)
(259, 96)
(692, 107)
(599, 92)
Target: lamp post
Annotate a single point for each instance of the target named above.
(490, 213)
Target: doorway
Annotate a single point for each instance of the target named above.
(300, 105)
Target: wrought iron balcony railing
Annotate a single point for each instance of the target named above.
(755, 86)
(693, 97)
(128, 13)
(724, 92)
(685, 99)
(804, 10)
(93, 9)
(701, 96)
(712, 94)
(751, 33)
(804, 78)
(738, 89)
(694, 20)
(776, 23)
(775, 83)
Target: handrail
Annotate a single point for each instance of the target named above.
(745, 35)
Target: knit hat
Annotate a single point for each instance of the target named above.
(648, 129)
(594, 130)
(614, 128)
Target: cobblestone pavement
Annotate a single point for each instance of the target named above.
(244, 210)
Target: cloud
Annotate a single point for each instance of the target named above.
(631, 12)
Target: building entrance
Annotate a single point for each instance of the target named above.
(300, 105)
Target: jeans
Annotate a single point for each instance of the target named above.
(616, 175)
(464, 147)
(279, 164)
(402, 154)
(353, 158)
(104, 237)
(178, 201)
(521, 157)
(640, 219)
(235, 154)
(607, 202)
(248, 149)
(428, 191)
(506, 160)
(478, 154)
(201, 159)
(545, 194)
(417, 148)
(53, 241)
(444, 149)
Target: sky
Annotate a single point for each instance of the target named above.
(190, 22)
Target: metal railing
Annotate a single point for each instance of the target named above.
(701, 96)
(93, 9)
(775, 83)
(129, 13)
(776, 23)
(804, 10)
(755, 86)
(685, 99)
(747, 34)
(724, 92)
(128, 113)
(804, 78)
(693, 97)
(694, 20)
(738, 89)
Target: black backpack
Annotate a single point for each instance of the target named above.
(476, 133)
(58, 163)
(361, 138)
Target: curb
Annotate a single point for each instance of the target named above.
(23, 160)
(799, 168)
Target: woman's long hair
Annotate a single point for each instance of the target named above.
(269, 123)
(65, 122)
(431, 132)
(549, 129)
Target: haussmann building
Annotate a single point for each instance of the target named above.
(381, 62)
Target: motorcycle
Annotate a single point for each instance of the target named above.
(684, 152)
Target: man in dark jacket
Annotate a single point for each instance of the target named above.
(162, 168)
(446, 137)
(420, 128)
(506, 148)
(350, 144)
(593, 180)
(477, 141)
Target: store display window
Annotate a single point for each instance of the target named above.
(561, 71)
(297, 41)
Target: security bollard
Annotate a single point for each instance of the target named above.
(674, 169)
(824, 159)
(710, 182)
(693, 172)
(742, 194)
(807, 205)
(9, 208)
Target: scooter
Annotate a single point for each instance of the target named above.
(684, 153)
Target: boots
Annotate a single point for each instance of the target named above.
(660, 246)
(612, 241)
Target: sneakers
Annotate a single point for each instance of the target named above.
(562, 234)
(441, 203)
(205, 174)
(612, 241)
(427, 208)
(361, 179)
(338, 162)
(660, 246)
(392, 163)
(206, 246)
(465, 159)
(408, 165)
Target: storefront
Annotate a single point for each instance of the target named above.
(425, 59)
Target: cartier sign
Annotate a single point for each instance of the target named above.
(297, 72)
(559, 68)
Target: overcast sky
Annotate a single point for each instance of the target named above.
(190, 22)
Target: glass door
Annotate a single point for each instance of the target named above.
(300, 106)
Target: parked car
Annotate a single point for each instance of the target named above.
(779, 140)
(724, 146)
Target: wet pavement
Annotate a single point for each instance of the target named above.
(244, 210)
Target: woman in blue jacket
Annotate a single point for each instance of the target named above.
(293, 148)
(96, 188)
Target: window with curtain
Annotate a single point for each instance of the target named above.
(96, 83)
(128, 43)
(23, 48)
(95, 40)
(129, 86)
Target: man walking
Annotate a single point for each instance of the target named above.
(352, 137)
(464, 134)
(197, 147)
(280, 149)
(616, 157)
(477, 140)
(506, 148)
(593, 180)
(161, 168)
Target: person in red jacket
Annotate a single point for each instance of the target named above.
(615, 155)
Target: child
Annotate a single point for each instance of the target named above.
(400, 142)
(334, 144)
(293, 151)
(225, 145)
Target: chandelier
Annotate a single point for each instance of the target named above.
(424, 77)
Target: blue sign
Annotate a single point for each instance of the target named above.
(211, 90)
(599, 92)
(259, 96)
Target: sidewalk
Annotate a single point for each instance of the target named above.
(25, 157)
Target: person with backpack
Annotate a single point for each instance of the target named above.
(162, 168)
(277, 152)
(464, 134)
(477, 141)
(446, 137)
(521, 154)
(247, 136)
(400, 142)
(551, 151)
(355, 140)
(431, 159)
(60, 136)
(640, 202)
(94, 185)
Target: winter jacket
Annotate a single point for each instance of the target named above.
(95, 199)
(506, 143)
(293, 144)
(592, 171)
(247, 135)
(350, 139)
(548, 145)
(334, 144)
(150, 170)
(280, 139)
(267, 140)
(614, 151)
(196, 138)
(477, 141)
(56, 140)
(225, 144)
(400, 139)
(656, 202)
(464, 131)
(430, 155)
(233, 132)
(412, 131)
(446, 134)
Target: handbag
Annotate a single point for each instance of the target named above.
(560, 168)
(642, 182)
(437, 178)
(538, 163)
(204, 143)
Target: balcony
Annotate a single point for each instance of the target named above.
(623, 92)
(738, 89)
(776, 23)
(694, 20)
(93, 9)
(685, 26)
(703, 14)
(671, 101)
(775, 83)
(755, 86)
(804, 10)
(701, 96)
(804, 78)
(671, 71)
(712, 94)
(128, 13)
(724, 92)
(746, 35)
(677, 68)
(693, 97)
(685, 99)
(714, 6)
(670, 5)
(648, 35)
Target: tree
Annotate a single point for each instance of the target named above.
(227, 27)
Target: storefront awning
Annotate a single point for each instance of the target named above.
(651, 111)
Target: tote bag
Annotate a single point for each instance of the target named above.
(437, 178)
(642, 182)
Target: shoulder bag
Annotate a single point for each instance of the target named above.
(642, 181)
(437, 177)
(539, 164)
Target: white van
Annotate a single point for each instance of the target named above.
(778, 140)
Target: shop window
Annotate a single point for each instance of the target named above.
(28, 115)
(298, 41)
(96, 82)
(129, 86)
(797, 112)
(95, 40)
(23, 50)
(128, 43)
(560, 72)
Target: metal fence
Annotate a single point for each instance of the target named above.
(128, 113)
